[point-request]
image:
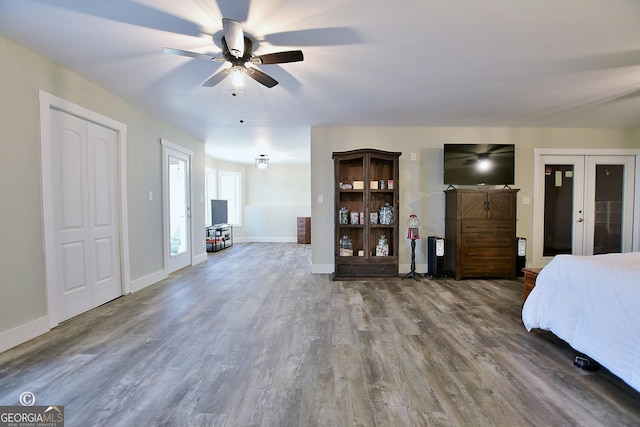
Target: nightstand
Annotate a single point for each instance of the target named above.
(530, 276)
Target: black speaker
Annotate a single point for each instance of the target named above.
(435, 256)
(521, 255)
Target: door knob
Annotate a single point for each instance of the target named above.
(580, 220)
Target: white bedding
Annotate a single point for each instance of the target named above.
(592, 303)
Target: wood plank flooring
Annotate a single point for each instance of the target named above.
(252, 338)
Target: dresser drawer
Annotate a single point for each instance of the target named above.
(470, 254)
(487, 226)
(487, 268)
(497, 239)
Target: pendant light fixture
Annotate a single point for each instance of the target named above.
(262, 161)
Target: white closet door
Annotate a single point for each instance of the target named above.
(84, 186)
(104, 227)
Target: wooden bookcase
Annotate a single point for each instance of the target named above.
(480, 233)
(365, 180)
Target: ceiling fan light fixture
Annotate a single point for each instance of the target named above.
(237, 78)
(262, 161)
(238, 86)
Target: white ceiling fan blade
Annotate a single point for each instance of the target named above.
(191, 54)
(234, 37)
(217, 77)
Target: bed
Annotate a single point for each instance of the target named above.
(592, 303)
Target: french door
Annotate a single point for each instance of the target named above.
(177, 205)
(586, 205)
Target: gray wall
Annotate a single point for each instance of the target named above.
(22, 75)
(421, 181)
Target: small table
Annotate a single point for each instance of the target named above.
(219, 237)
(530, 276)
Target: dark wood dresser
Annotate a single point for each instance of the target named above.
(480, 233)
(304, 230)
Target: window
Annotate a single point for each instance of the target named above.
(230, 189)
(210, 192)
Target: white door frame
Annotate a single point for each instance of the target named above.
(48, 102)
(165, 202)
(538, 193)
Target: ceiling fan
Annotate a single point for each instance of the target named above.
(237, 50)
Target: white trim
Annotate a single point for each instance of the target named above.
(538, 196)
(200, 258)
(148, 280)
(169, 144)
(322, 268)
(47, 102)
(586, 152)
(166, 144)
(248, 239)
(23, 333)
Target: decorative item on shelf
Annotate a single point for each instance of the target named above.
(262, 161)
(382, 249)
(413, 224)
(346, 246)
(355, 218)
(386, 214)
(358, 185)
(344, 186)
(390, 184)
(382, 184)
(373, 185)
(361, 218)
(344, 215)
(373, 218)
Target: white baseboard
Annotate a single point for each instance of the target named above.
(265, 239)
(199, 258)
(23, 333)
(322, 268)
(405, 268)
(149, 280)
(329, 268)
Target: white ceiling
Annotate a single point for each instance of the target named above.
(531, 63)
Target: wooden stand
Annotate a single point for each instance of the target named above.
(412, 274)
(530, 276)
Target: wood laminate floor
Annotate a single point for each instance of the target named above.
(252, 338)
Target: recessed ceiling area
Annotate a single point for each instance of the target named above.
(543, 63)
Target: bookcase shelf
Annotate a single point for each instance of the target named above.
(366, 180)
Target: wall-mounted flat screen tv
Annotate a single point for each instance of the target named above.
(219, 212)
(479, 164)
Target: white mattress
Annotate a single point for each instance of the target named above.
(592, 303)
